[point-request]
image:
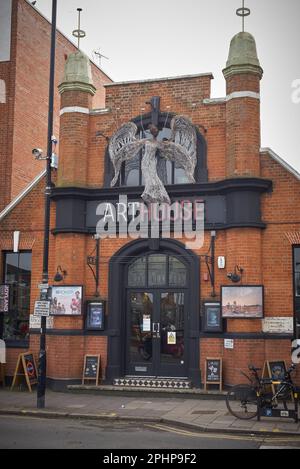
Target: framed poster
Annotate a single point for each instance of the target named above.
(95, 313)
(66, 300)
(4, 298)
(212, 318)
(242, 301)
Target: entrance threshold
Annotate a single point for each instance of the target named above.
(148, 392)
(153, 382)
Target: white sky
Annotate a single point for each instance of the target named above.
(160, 38)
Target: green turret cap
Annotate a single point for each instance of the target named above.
(242, 56)
(77, 74)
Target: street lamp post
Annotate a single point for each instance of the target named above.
(41, 387)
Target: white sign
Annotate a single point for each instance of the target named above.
(43, 286)
(228, 343)
(4, 298)
(42, 308)
(146, 323)
(35, 322)
(172, 338)
(278, 325)
(2, 351)
(5, 29)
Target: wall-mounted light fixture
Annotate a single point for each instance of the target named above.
(60, 274)
(234, 276)
(209, 260)
(93, 263)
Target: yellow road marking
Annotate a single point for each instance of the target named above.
(219, 436)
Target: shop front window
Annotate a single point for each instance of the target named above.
(297, 287)
(17, 274)
(297, 271)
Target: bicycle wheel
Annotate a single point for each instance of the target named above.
(241, 401)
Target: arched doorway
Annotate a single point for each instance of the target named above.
(154, 311)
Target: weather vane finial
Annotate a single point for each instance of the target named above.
(243, 12)
(79, 33)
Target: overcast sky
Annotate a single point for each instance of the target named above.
(161, 38)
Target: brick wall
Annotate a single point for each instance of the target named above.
(23, 120)
(265, 255)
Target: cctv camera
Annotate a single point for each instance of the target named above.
(54, 140)
(37, 153)
(234, 277)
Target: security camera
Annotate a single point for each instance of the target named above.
(235, 278)
(54, 140)
(37, 153)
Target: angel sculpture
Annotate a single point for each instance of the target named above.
(181, 148)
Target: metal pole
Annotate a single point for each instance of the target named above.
(41, 387)
(213, 237)
(97, 265)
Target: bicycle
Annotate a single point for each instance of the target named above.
(246, 401)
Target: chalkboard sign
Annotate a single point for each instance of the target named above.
(213, 372)
(91, 368)
(25, 369)
(276, 370)
(30, 367)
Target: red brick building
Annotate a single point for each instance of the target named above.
(162, 301)
(24, 88)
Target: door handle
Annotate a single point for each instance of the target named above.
(156, 329)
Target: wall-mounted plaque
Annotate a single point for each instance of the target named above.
(278, 325)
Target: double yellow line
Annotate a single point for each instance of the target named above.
(223, 436)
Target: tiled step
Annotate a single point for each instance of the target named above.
(149, 382)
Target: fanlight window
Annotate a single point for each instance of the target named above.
(157, 270)
(180, 156)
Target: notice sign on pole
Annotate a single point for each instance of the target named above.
(4, 298)
(42, 308)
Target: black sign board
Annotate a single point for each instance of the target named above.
(25, 368)
(91, 368)
(213, 371)
(277, 369)
(30, 367)
(4, 298)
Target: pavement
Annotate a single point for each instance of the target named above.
(197, 414)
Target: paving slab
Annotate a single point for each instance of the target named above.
(200, 415)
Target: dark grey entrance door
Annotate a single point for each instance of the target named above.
(154, 292)
(156, 333)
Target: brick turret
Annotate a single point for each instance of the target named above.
(243, 74)
(76, 91)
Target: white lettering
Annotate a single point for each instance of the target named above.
(296, 92)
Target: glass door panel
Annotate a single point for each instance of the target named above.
(140, 327)
(172, 328)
